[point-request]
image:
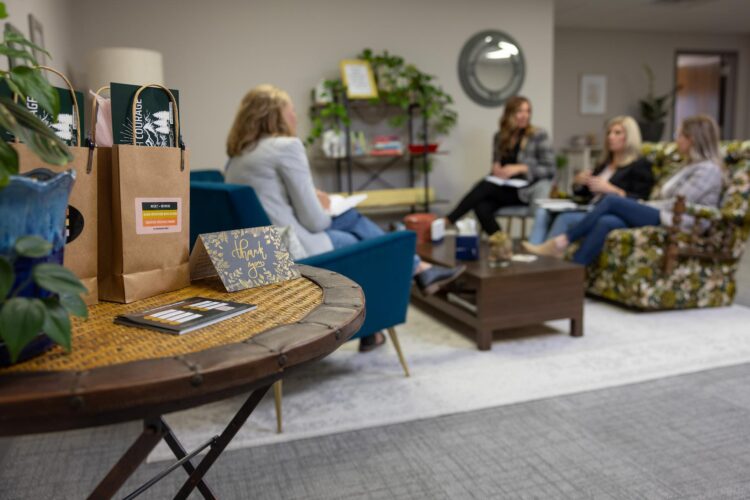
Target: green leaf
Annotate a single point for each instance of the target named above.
(18, 39)
(32, 83)
(74, 304)
(57, 323)
(18, 54)
(56, 279)
(21, 319)
(7, 277)
(3, 11)
(8, 160)
(32, 246)
(33, 132)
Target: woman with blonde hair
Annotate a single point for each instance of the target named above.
(622, 172)
(266, 154)
(699, 181)
(521, 156)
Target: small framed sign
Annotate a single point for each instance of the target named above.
(243, 258)
(358, 78)
(593, 99)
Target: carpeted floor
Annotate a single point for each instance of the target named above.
(685, 437)
(348, 391)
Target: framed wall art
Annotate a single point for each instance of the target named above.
(358, 78)
(593, 95)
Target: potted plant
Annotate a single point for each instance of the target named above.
(654, 109)
(401, 86)
(37, 294)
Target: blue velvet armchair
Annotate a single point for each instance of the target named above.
(381, 266)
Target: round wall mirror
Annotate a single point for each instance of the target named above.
(491, 68)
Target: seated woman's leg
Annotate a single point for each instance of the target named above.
(634, 214)
(341, 239)
(592, 245)
(481, 191)
(485, 211)
(542, 219)
(357, 224)
(563, 222)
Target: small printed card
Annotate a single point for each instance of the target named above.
(154, 116)
(243, 258)
(185, 316)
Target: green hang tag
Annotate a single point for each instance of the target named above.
(154, 116)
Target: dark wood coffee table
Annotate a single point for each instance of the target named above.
(116, 373)
(506, 297)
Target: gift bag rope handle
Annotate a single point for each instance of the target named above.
(72, 95)
(178, 138)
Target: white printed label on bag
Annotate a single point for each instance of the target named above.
(158, 215)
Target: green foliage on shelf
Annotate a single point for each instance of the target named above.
(400, 85)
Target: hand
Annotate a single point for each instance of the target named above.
(513, 170)
(601, 186)
(496, 169)
(324, 199)
(582, 177)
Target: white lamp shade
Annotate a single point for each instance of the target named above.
(124, 65)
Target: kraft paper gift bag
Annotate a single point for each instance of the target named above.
(101, 118)
(81, 246)
(150, 199)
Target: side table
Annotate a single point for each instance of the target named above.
(116, 373)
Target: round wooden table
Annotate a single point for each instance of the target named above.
(116, 373)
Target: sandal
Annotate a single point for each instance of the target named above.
(371, 342)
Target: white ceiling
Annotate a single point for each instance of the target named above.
(696, 16)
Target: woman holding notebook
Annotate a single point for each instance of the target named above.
(521, 156)
(266, 154)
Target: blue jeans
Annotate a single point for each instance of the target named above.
(609, 214)
(561, 222)
(351, 227)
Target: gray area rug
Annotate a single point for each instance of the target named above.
(685, 437)
(349, 391)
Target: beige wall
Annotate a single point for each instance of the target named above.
(56, 18)
(620, 56)
(215, 51)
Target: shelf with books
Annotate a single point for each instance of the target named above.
(384, 151)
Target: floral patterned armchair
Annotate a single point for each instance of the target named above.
(659, 267)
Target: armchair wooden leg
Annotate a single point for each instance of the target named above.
(394, 339)
(277, 401)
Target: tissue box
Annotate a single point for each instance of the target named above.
(467, 247)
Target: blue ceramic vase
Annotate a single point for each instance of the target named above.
(35, 204)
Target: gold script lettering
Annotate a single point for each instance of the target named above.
(242, 250)
(252, 272)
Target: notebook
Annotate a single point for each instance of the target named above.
(185, 316)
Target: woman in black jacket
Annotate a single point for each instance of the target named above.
(622, 172)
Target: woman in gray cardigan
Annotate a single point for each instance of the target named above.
(266, 155)
(700, 181)
(521, 156)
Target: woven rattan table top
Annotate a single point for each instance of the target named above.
(99, 342)
(117, 373)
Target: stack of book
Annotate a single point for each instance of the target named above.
(387, 145)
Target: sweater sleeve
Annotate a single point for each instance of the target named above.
(640, 180)
(295, 174)
(539, 157)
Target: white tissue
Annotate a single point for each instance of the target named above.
(466, 227)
